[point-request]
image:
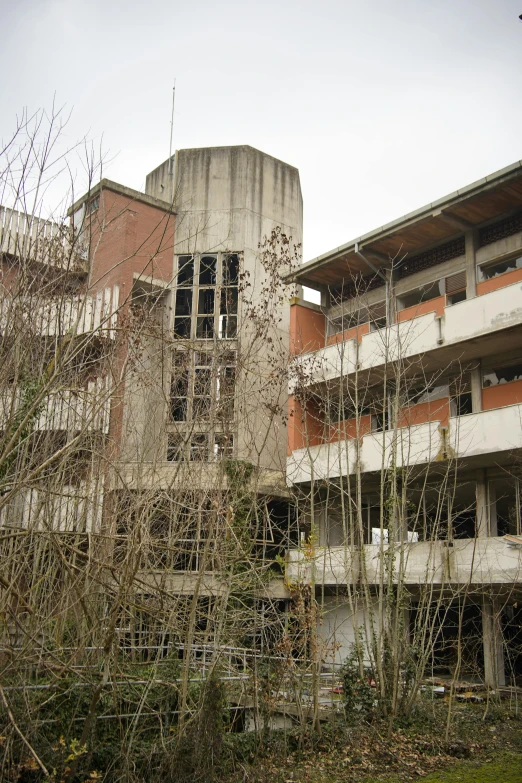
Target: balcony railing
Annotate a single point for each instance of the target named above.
(467, 320)
(474, 435)
(468, 561)
(37, 240)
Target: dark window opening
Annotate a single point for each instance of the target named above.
(422, 294)
(182, 327)
(199, 448)
(229, 301)
(205, 327)
(379, 421)
(500, 267)
(175, 447)
(185, 270)
(231, 269)
(227, 326)
(461, 404)
(460, 296)
(223, 446)
(183, 301)
(498, 377)
(206, 301)
(207, 270)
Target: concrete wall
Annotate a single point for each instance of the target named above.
(229, 199)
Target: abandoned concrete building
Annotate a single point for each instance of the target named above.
(407, 380)
(407, 374)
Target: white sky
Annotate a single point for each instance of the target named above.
(383, 106)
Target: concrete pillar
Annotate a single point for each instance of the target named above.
(494, 672)
(476, 388)
(471, 241)
(492, 504)
(481, 497)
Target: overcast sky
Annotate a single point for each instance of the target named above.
(383, 106)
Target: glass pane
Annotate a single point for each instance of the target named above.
(205, 327)
(201, 408)
(229, 299)
(203, 382)
(207, 270)
(198, 448)
(206, 301)
(185, 270)
(231, 269)
(175, 448)
(182, 327)
(183, 301)
(227, 326)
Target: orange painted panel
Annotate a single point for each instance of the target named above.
(355, 333)
(508, 278)
(307, 329)
(437, 410)
(305, 426)
(501, 395)
(348, 430)
(433, 305)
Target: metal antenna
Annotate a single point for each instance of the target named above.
(172, 127)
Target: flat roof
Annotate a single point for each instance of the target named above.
(123, 190)
(432, 224)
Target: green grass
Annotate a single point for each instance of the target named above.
(507, 768)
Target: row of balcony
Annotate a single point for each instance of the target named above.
(465, 321)
(474, 435)
(69, 410)
(472, 561)
(63, 315)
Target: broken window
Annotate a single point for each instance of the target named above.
(499, 376)
(202, 400)
(226, 383)
(179, 387)
(175, 447)
(418, 394)
(185, 270)
(461, 403)
(199, 448)
(223, 446)
(422, 294)
(207, 270)
(505, 505)
(227, 327)
(497, 268)
(231, 269)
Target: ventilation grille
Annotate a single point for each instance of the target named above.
(433, 257)
(355, 286)
(500, 229)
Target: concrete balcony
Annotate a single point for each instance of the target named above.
(40, 241)
(475, 561)
(63, 315)
(474, 436)
(68, 410)
(466, 321)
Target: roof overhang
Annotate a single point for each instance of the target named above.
(442, 220)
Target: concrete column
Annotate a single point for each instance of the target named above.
(492, 504)
(481, 495)
(476, 388)
(494, 672)
(471, 242)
